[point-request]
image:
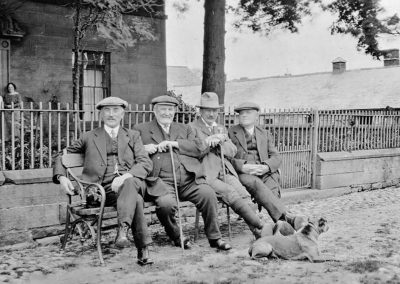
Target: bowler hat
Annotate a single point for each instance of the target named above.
(209, 100)
(165, 100)
(247, 105)
(111, 101)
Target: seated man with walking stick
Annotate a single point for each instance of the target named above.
(220, 174)
(178, 174)
(257, 162)
(116, 159)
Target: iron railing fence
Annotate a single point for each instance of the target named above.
(352, 130)
(298, 134)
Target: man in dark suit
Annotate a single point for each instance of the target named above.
(116, 159)
(158, 135)
(257, 162)
(226, 184)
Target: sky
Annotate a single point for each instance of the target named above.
(254, 56)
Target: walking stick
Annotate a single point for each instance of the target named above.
(177, 198)
(227, 207)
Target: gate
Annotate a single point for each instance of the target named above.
(292, 131)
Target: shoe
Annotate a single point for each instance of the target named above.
(143, 257)
(186, 243)
(295, 221)
(257, 232)
(122, 240)
(284, 228)
(219, 244)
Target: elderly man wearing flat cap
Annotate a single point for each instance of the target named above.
(158, 136)
(226, 184)
(257, 162)
(115, 158)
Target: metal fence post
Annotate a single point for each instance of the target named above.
(314, 147)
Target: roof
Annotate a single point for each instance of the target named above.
(181, 76)
(362, 88)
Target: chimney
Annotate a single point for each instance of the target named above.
(338, 65)
(390, 57)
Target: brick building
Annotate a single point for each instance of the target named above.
(37, 56)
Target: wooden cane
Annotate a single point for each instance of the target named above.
(177, 198)
(227, 207)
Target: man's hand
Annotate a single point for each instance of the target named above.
(150, 148)
(212, 141)
(215, 139)
(253, 169)
(118, 181)
(261, 170)
(66, 184)
(164, 146)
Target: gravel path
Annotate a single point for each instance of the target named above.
(363, 241)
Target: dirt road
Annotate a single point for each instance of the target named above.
(364, 241)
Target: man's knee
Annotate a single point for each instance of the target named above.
(166, 204)
(207, 193)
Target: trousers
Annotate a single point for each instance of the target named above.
(130, 207)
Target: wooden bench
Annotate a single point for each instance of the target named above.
(79, 214)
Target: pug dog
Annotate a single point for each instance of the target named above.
(294, 245)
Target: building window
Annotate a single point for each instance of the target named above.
(94, 81)
(4, 63)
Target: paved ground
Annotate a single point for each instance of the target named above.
(364, 241)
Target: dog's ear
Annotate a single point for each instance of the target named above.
(322, 224)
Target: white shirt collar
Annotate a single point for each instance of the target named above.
(209, 126)
(250, 130)
(165, 127)
(108, 129)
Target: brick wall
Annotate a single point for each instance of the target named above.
(41, 63)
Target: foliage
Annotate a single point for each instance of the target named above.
(8, 8)
(360, 18)
(109, 19)
(185, 112)
(265, 15)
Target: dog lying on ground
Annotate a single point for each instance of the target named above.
(293, 245)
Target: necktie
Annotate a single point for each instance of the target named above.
(113, 134)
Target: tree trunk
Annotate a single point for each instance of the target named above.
(214, 48)
(75, 69)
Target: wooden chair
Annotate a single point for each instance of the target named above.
(77, 210)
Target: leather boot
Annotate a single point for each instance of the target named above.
(122, 240)
(243, 209)
(296, 221)
(143, 256)
(265, 198)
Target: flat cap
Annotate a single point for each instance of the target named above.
(111, 101)
(165, 100)
(247, 105)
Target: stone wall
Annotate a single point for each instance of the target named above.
(32, 207)
(41, 63)
(365, 169)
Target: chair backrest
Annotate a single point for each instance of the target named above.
(73, 163)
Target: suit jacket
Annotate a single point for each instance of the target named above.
(191, 149)
(132, 156)
(266, 149)
(212, 161)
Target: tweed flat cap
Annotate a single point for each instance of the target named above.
(209, 100)
(165, 100)
(111, 101)
(247, 105)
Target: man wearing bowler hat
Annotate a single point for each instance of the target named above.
(257, 162)
(116, 159)
(158, 136)
(226, 184)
